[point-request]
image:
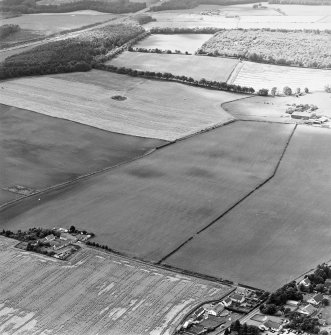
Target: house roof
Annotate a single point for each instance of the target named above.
(310, 309)
(227, 300)
(199, 311)
(237, 297)
(305, 281)
(272, 324)
(318, 297)
(212, 322)
(50, 237)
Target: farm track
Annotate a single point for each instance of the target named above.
(238, 202)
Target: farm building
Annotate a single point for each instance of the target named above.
(226, 302)
(305, 282)
(212, 322)
(316, 299)
(272, 325)
(200, 311)
(300, 115)
(292, 303)
(214, 310)
(308, 310)
(328, 283)
(50, 237)
(238, 298)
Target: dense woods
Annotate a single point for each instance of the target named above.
(31, 6)
(76, 54)
(280, 47)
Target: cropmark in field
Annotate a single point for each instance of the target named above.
(280, 231)
(116, 295)
(151, 206)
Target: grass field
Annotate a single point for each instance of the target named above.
(93, 293)
(268, 76)
(181, 42)
(197, 67)
(280, 231)
(47, 24)
(38, 151)
(273, 109)
(86, 98)
(149, 207)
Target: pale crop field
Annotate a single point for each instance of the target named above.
(181, 42)
(151, 206)
(197, 67)
(259, 76)
(53, 23)
(165, 111)
(93, 293)
(280, 231)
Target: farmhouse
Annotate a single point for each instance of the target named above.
(50, 237)
(226, 302)
(200, 311)
(308, 310)
(238, 298)
(214, 310)
(272, 325)
(316, 299)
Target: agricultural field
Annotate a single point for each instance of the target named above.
(268, 76)
(93, 293)
(197, 67)
(301, 10)
(50, 23)
(62, 151)
(273, 109)
(86, 97)
(281, 48)
(149, 207)
(280, 231)
(181, 42)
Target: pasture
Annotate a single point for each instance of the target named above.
(51, 23)
(39, 151)
(197, 67)
(93, 293)
(181, 42)
(273, 109)
(149, 207)
(268, 76)
(280, 231)
(85, 97)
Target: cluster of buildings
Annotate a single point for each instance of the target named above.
(306, 113)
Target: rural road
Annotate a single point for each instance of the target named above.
(23, 47)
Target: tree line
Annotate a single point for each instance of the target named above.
(218, 85)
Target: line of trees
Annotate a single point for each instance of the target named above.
(157, 51)
(222, 86)
(31, 6)
(169, 30)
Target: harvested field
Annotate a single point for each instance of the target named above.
(151, 206)
(62, 150)
(181, 42)
(86, 98)
(301, 10)
(93, 293)
(197, 67)
(273, 109)
(280, 231)
(47, 24)
(268, 76)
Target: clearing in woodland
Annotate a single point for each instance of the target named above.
(165, 111)
(197, 67)
(280, 231)
(181, 42)
(151, 206)
(259, 76)
(116, 295)
(39, 151)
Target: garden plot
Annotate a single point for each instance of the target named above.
(259, 76)
(165, 111)
(280, 231)
(181, 42)
(38, 151)
(151, 206)
(197, 67)
(117, 296)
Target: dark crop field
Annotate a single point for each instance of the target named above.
(280, 231)
(149, 207)
(39, 151)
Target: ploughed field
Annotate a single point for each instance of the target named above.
(181, 42)
(268, 76)
(115, 295)
(151, 206)
(280, 231)
(164, 110)
(39, 151)
(197, 67)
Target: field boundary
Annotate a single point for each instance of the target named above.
(234, 73)
(237, 202)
